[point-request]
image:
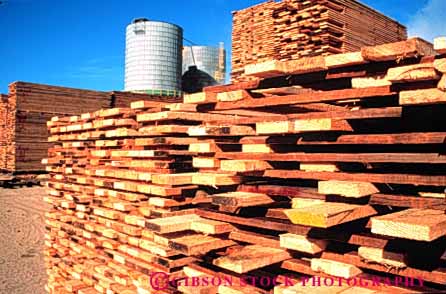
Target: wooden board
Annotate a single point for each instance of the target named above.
(241, 199)
(413, 224)
(404, 49)
(198, 244)
(334, 268)
(251, 257)
(171, 224)
(422, 97)
(346, 188)
(302, 243)
(328, 214)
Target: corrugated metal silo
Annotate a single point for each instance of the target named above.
(153, 57)
(211, 60)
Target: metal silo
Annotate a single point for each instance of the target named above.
(211, 60)
(153, 57)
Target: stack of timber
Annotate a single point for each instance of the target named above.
(23, 140)
(333, 174)
(291, 29)
(30, 107)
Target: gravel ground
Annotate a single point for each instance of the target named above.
(22, 268)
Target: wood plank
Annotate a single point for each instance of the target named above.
(302, 125)
(328, 214)
(442, 83)
(373, 81)
(335, 268)
(241, 199)
(233, 95)
(347, 188)
(344, 59)
(198, 244)
(408, 201)
(413, 224)
(243, 165)
(362, 177)
(255, 222)
(172, 224)
(212, 227)
(270, 68)
(440, 45)
(317, 96)
(173, 179)
(297, 202)
(214, 179)
(437, 275)
(251, 257)
(200, 98)
(302, 243)
(254, 238)
(304, 65)
(422, 97)
(328, 167)
(382, 256)
(230, 130)
(336, 157)
(392, 51)
(412, 73)
(440, 65)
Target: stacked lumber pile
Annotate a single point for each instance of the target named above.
(336, 172)
(30, 107)
(23, 141)
(292, 29)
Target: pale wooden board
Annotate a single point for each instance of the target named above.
(381, 256)
(440, 44)
(265, 69)
(200, 98)
(212, 227)
(302, 243)
(412, 73)
(347, 188)
(233, 95)
(318, 167)
(244, 165)
(374, 81)
(440, 65)
(335, 268)
(344, 59)
(422, 97)
(172, 224)
(214, 179)
(413, 224)
(298, 202)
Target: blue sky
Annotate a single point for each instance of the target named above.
(81, 43)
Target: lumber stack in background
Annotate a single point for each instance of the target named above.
(24, 139)
(30, 107)
(333, 172)
(292, 29)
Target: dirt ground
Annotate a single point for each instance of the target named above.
(22, 268)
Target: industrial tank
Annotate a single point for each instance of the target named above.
(211, 60)
(153, 57)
